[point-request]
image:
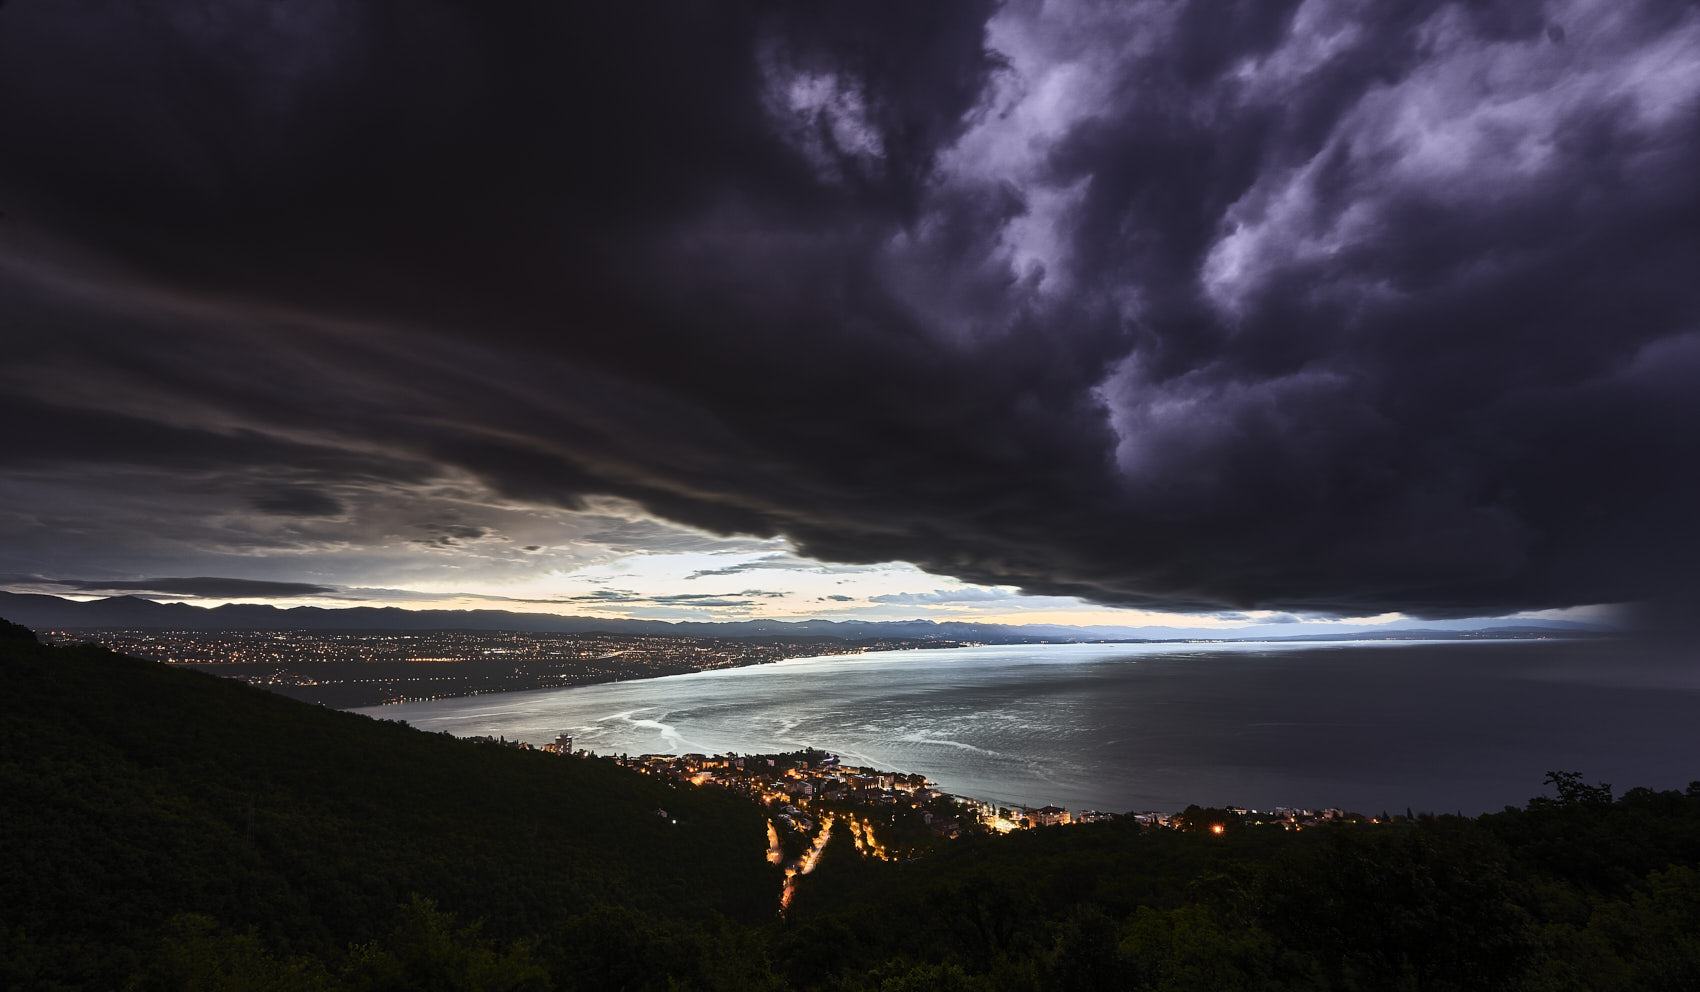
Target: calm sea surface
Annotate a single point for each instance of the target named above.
(1366, 725)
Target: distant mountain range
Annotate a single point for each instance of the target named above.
(131, 612)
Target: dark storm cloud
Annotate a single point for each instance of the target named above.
(647, 535)
(202, 587)
(1315, 307)
(297, 501)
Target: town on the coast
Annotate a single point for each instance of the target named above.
(893, 815)
(355, 668)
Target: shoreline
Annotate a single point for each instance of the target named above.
(1139, 727)
(1282, 643)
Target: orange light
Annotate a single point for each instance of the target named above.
(1215, 828)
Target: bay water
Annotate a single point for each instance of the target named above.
(1370, 726)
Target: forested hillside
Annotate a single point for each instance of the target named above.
(166, 829)
(131, 793)
(1579, 893)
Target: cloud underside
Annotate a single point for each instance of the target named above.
(225, 588)
(1312, 307)
(627, 599)
(201, 587)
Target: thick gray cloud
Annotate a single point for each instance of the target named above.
(1311, 306)
(297, 501)
(200, 587)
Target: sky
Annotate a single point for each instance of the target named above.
(1151, 312)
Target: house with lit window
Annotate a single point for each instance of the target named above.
(1048, 816)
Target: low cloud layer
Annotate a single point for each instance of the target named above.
(1307, 306)
(200, 587)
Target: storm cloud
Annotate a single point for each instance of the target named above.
(1314, 306)
(297, 501)
(200, 587)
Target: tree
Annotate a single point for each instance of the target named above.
(1572, 791)
(428, 951)
(1197, 819)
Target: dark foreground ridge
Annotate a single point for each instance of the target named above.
(167, 829)
(131, 793)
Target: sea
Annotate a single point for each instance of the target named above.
(1369, 726)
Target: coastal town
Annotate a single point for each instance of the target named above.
(893, 816)
(357, 668)
(799, 781)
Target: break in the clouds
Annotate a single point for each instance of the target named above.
(1316, 306)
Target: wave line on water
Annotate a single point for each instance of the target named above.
(917, 738)
(666, 731)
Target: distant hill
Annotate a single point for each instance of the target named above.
(132, 612)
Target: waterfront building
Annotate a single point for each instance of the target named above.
(1049, 816)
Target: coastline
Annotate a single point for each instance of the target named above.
(1133, 727)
